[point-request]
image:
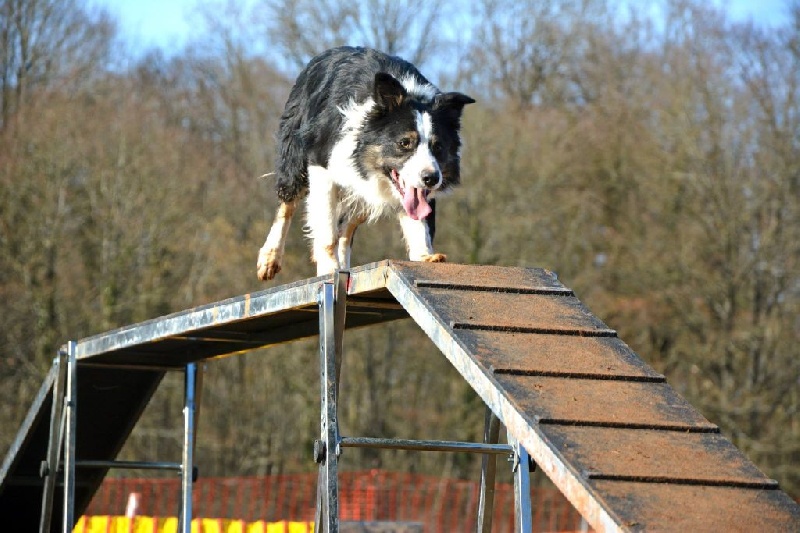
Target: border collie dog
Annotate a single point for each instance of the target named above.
(363, 135)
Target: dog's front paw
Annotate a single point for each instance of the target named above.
(434, 258)
(269, 264)
(268, 271)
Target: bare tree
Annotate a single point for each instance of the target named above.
(301, 29)
(527, 51)
(43, 42)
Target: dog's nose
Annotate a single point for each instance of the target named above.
(429, 179)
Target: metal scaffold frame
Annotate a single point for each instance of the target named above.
(63, 433)
(627, 451)
(332, 302)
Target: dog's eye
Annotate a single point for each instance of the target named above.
(436, 148)
(406, 143)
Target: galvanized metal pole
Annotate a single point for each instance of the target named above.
(200, 372)
(425, 445)
(329, 422)
(491, 435)
(341, 280)
(49, 469)
(318, 513)
(187, 467)
(70, 438)
(522, 488)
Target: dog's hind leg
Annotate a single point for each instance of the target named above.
(347, 230)
(418, 240)
(271, 254)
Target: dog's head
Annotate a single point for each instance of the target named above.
(413, 142)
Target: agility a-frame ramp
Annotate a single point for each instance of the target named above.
(626, 450)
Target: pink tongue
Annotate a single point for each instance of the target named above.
(415, 203)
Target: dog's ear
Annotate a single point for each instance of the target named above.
(389, 93)
(451, 101)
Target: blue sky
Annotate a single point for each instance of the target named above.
(167, 23)
(146, 23)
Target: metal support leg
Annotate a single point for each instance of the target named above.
(70, 438)
(187, 467)
(198, 395)
(491, 435)
(332, 312)
(49, 468)
(341, 281)
(522, 487)
(329, 422)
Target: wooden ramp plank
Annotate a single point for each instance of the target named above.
(502, 311)
(652, 455)
(496, 278)
(550, 400)
(693, 508)
(556, 355)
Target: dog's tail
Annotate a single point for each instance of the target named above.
(291, 180)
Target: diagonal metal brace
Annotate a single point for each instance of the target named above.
(49, 467)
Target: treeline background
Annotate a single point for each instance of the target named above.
(650, 157)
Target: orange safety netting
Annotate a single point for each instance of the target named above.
(440, 504)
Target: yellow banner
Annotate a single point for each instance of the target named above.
(149, 524)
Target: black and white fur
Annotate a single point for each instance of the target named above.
(363, 135)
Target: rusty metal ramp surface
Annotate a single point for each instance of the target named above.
(617, 440)
(628, 451)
